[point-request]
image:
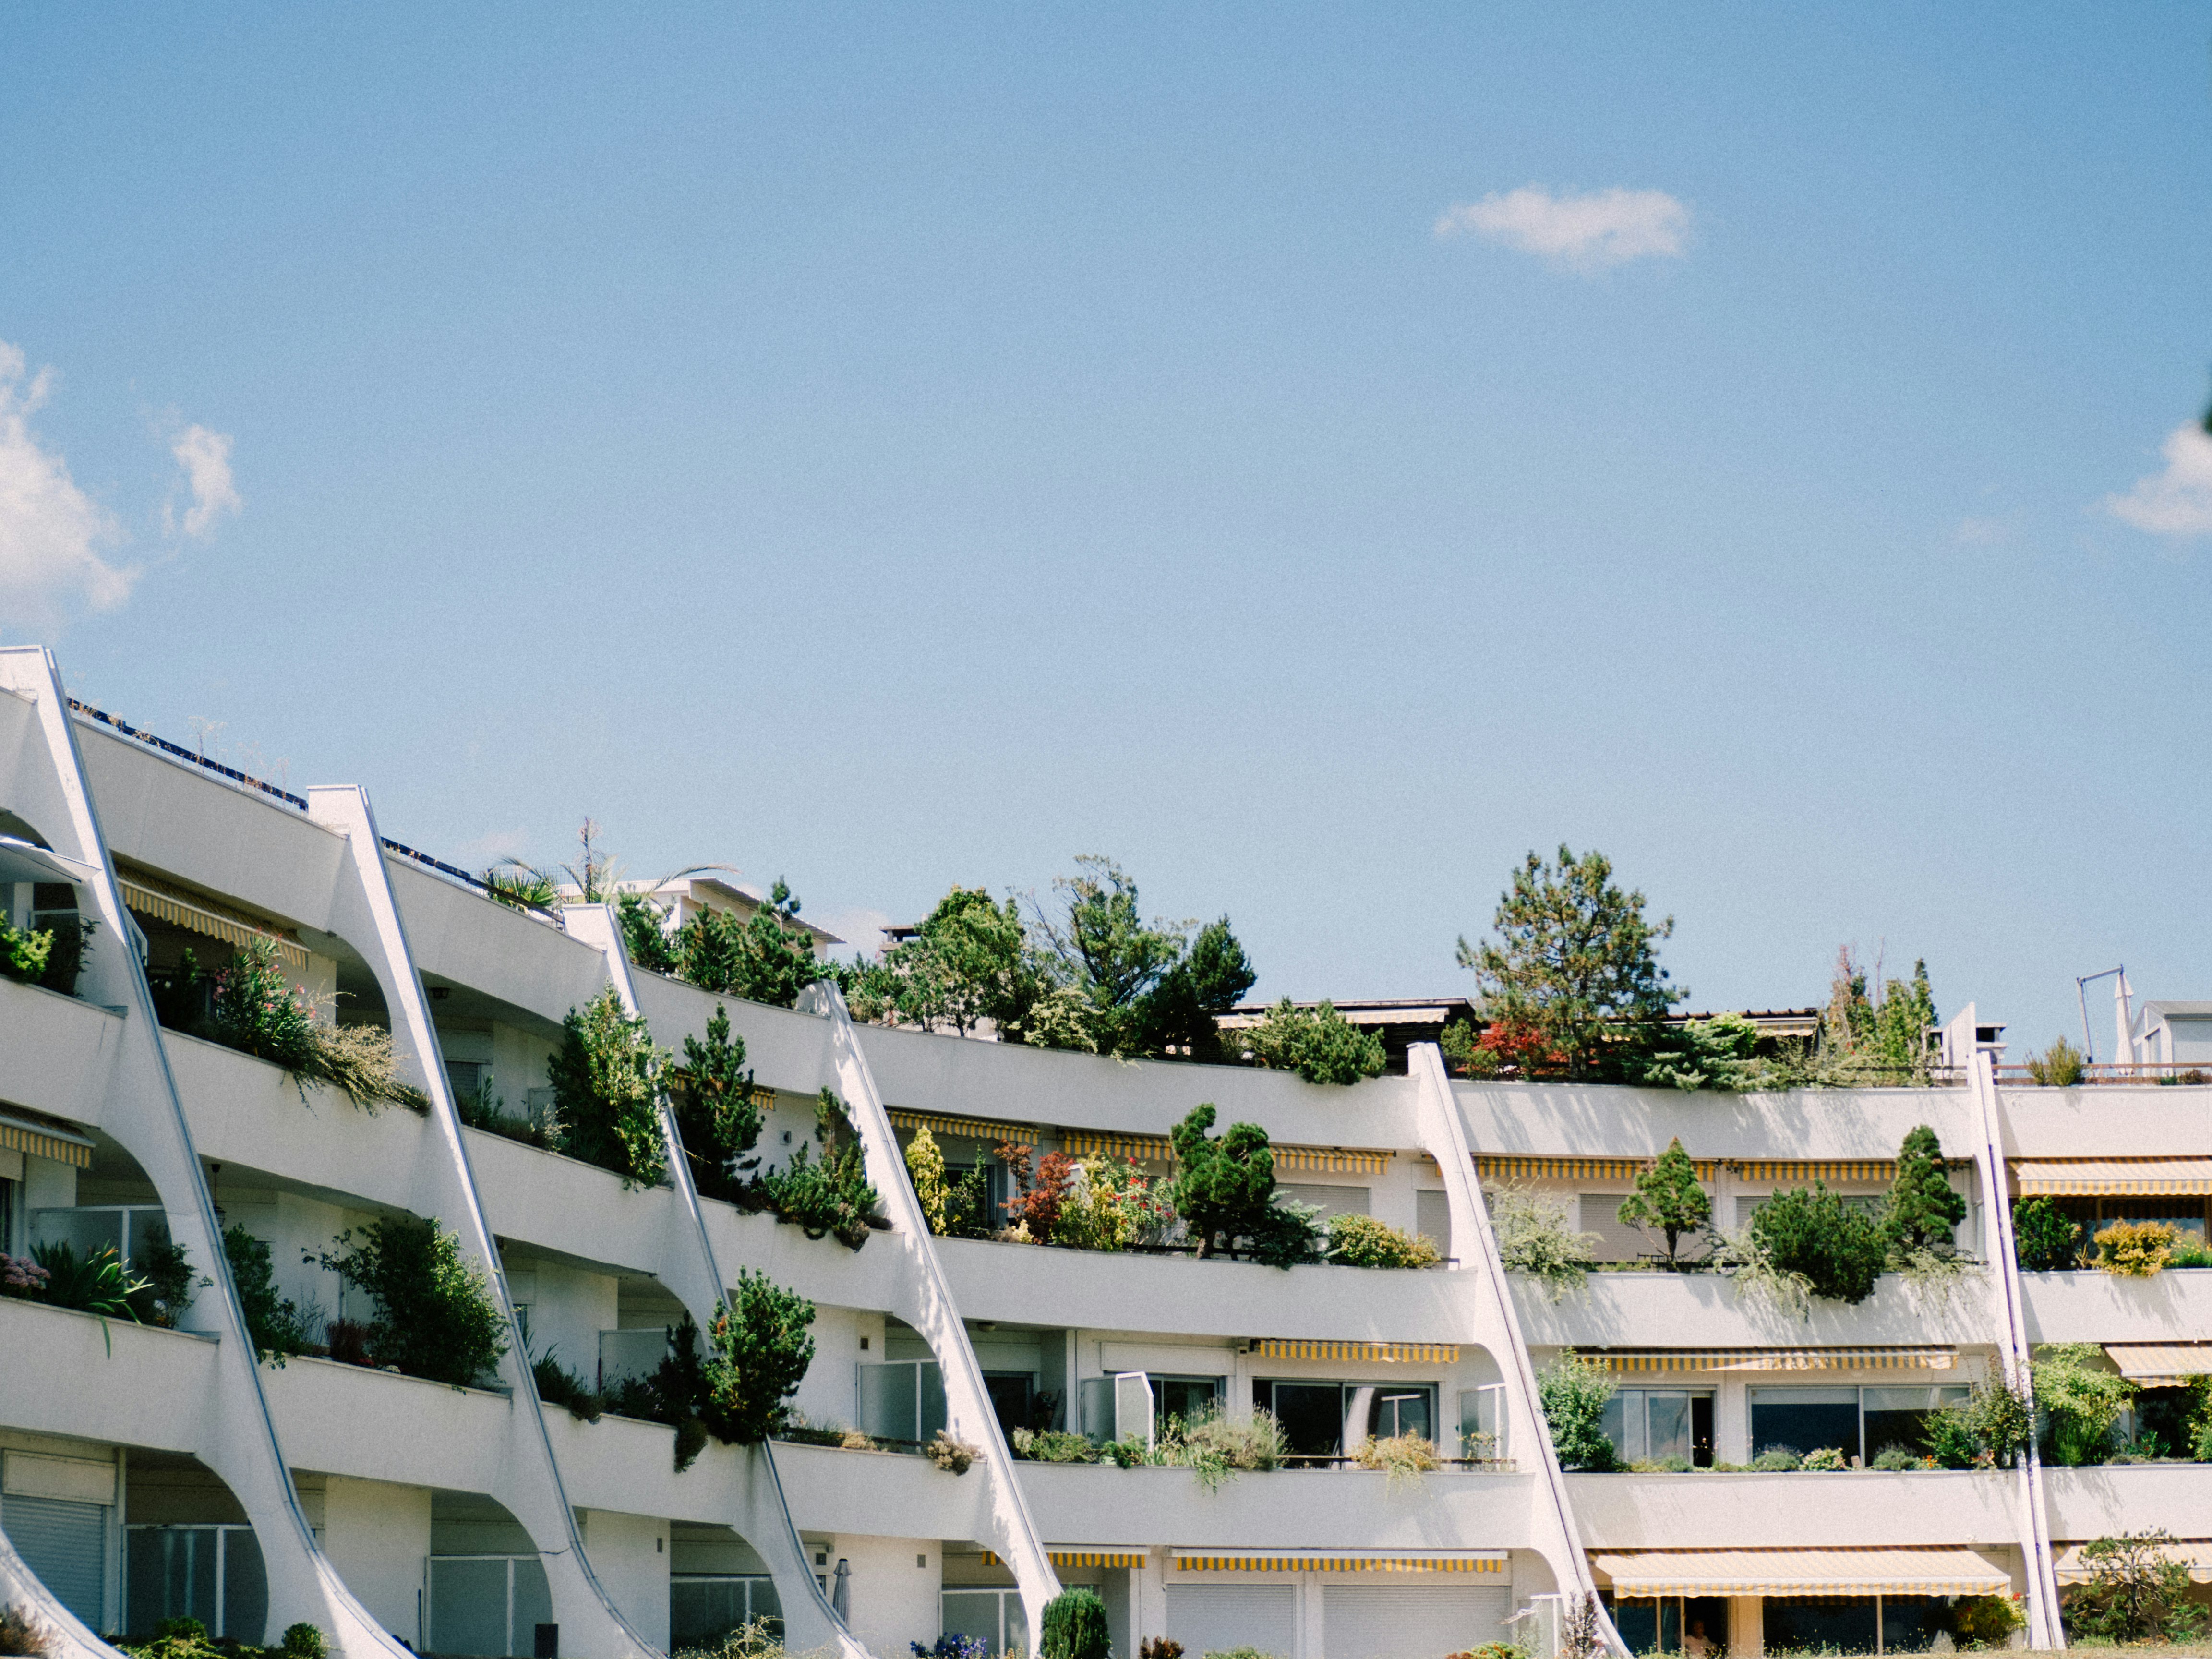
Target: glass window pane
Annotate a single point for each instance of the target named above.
(468, 1605)
(888, 1399)
(767, 1606)
(1669, 1415)
(703, 1611)
(971, 1614)
(1312, 1416)
(1615, 1423)
(533, 1603)
(83, 1230)
(245, 1588)
(1805, 1419)
(934, 1416)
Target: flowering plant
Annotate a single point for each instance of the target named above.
(20, 1276)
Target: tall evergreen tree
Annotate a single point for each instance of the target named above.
(1922, 1208)
(1667, 1197)
(1574, 961)
(1225, 1187)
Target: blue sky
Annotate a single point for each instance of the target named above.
(889, 447)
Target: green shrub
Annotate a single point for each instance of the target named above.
(2134, 1249)
(276, 1327)
(2136, 1592)
(2059, 1066)
(828, 1197)
(24, 954)
(1053, 1446)
(717, 1113)
(436, 1313)
(2191, 1250)
(2080, 1402)
(557, 1385)
(98, 1284)
(1223, 1187)
(1810, 1232)
(764, 957)
(1923, 1211)
(1533, 1237)
(1778, 1460)
(304, 1641)
(1573, 1392)
(254, 1008)
(1667, 1197)
(167, 1267)
(1361, 1241)
(2044, 1238)
(607, 1083)
(1894, 1456)
(1825, 1460)
(1986, 1621)
(1075, 1626)
(758, 1351)
(1990, 1428)
(1319, 1044)
(925, 1166)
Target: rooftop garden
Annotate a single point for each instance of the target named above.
(1223, 1202)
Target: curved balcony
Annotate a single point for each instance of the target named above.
(2115, 1497)
(58, 1052)
(70, 1373)
(1563, 1119)
(2105, 1122)
(2173, 1306)
(1180, 1295)
(1286, 1509)
(469, 940)
(1843, 1509)
(1705, 1310)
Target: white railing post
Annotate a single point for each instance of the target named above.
(2045, 1629)
(1476, 1246)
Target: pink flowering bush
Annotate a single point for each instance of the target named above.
(21, 1276)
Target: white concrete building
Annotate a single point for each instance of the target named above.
(146, 1473)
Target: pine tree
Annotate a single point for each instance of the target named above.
(1225, 1187)
(926, 1164)
(715, 1111)
(1922, 1208)
(1667, 1197)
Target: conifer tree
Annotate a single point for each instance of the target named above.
(1225, 1187)
(1667, 1197)
(1922, 1208)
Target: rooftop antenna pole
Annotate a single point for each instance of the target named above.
(2082, 995)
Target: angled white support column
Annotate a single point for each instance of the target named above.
(235, 1436)
(693, 1275)
(1492, 1314)
(929, 1307)
(2044, 1627)
(365, 912)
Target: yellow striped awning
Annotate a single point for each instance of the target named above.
(966, 1128)
(2195, 1553)
(198, 919)
(2112, 1177)
(23, 1134)
(1637, 1574)
(1081, 1558)
(1861, 1170)
(2160, 1365)
(1385, 1353)
(1779, 1359)
(1136, 1149)
(1346, 1561)
(1333, 1160)
(1573, 1169)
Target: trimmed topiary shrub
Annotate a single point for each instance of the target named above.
(1075, 1626)
(1838, 1249)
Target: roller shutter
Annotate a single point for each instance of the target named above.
(1215, 1617)
(66, 1544)
(1411, 1621)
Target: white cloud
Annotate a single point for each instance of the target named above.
(205, 457)
(2179, 501)
(49, 529)
(1603, 228)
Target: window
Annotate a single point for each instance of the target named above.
(1186, 1397)
(126, 1229)
(1327, 1419)
(624, 1354)
(213, 1574)
(486, 1605)
(1482, 1426)
(903, 1399)
(1860, 1422)
(1013, 1398)
(704, 1607)
(7, 1219)
(1661, 1425)
(993, 1617)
